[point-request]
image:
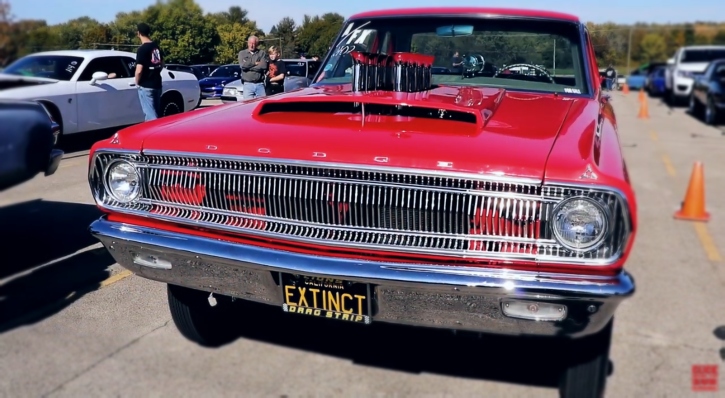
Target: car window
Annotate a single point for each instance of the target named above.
(60, 67)
(702, 55)
(130, 63)
(719, 71)
(105, 64)
(312, 67)
(296, 68)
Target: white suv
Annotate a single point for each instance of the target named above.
(682, 68)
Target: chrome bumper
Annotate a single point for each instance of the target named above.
(451, 297)
(56, 155)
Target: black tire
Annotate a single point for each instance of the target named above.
(710, 114)
(197, 320)
(694, 107)
(170, 105)
(586, 377)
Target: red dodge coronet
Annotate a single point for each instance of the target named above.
(454, 168)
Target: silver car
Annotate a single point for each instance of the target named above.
(299, 74)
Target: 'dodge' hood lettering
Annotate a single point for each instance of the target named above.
(483, 131)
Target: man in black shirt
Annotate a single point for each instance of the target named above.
(611, 75)
(149, 63)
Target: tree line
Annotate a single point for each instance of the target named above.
(190, 36)
(186, 34)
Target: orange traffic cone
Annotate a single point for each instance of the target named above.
(643, 108)
(693, 208)
(625, 89)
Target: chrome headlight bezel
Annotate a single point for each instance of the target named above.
(606, 229)
(136, 191)
(230, 91)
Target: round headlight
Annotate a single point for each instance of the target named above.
(123, 181)
(580, 224)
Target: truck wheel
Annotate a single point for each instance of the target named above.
(197, 320)
(587, 376)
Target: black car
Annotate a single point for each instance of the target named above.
(708, 93)
(204, 70)
(27, 142)
(185, 68)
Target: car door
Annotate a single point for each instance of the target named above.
(107, 103)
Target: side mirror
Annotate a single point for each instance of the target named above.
(671, 61)
(99, 76)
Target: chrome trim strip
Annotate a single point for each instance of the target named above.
(349, 166)
(419, 294)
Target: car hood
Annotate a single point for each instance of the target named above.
(473, 130)
(236, 84)
(214, 81)
(697, 67)
(9, 82)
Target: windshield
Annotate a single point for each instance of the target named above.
(226, 71)
(693, 56)
(508, 53)
(57, 67)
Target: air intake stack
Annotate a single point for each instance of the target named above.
(401, 72)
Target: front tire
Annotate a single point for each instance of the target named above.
(711, 115)
(171, 106)
(694, 107)
(587, 376)
(197, 320)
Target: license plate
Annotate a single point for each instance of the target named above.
(326, 298)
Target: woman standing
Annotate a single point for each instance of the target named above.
(277, 71)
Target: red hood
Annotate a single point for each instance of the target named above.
(497, 132)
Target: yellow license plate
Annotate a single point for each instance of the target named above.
(326, 298)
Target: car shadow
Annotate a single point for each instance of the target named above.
(528, 361)
(84, 141)
(45, 267)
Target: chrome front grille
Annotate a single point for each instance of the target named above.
(333, 205)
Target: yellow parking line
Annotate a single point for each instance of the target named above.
(707, 243)
(653, 135)
(668, 165)
(115, 278)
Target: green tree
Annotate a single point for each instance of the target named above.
(233, 39)
(653, 47)
(7, 47)
(234, 15)
(719, 37)
(316, 34)
(286, 31)
(182, 31)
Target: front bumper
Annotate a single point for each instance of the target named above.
(56, 155)
(210, 93)
(451, 297)
(231, 98)
(682, 86)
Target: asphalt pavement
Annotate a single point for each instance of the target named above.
(73, 323)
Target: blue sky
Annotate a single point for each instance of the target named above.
(269, 13)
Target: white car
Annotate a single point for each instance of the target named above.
(687, 63)
(89, 90)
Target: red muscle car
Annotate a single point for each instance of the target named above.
(396, 188)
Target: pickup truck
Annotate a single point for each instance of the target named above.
(688, 63)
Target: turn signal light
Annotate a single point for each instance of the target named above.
(533, 310)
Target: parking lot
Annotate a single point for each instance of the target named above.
(73, 323)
